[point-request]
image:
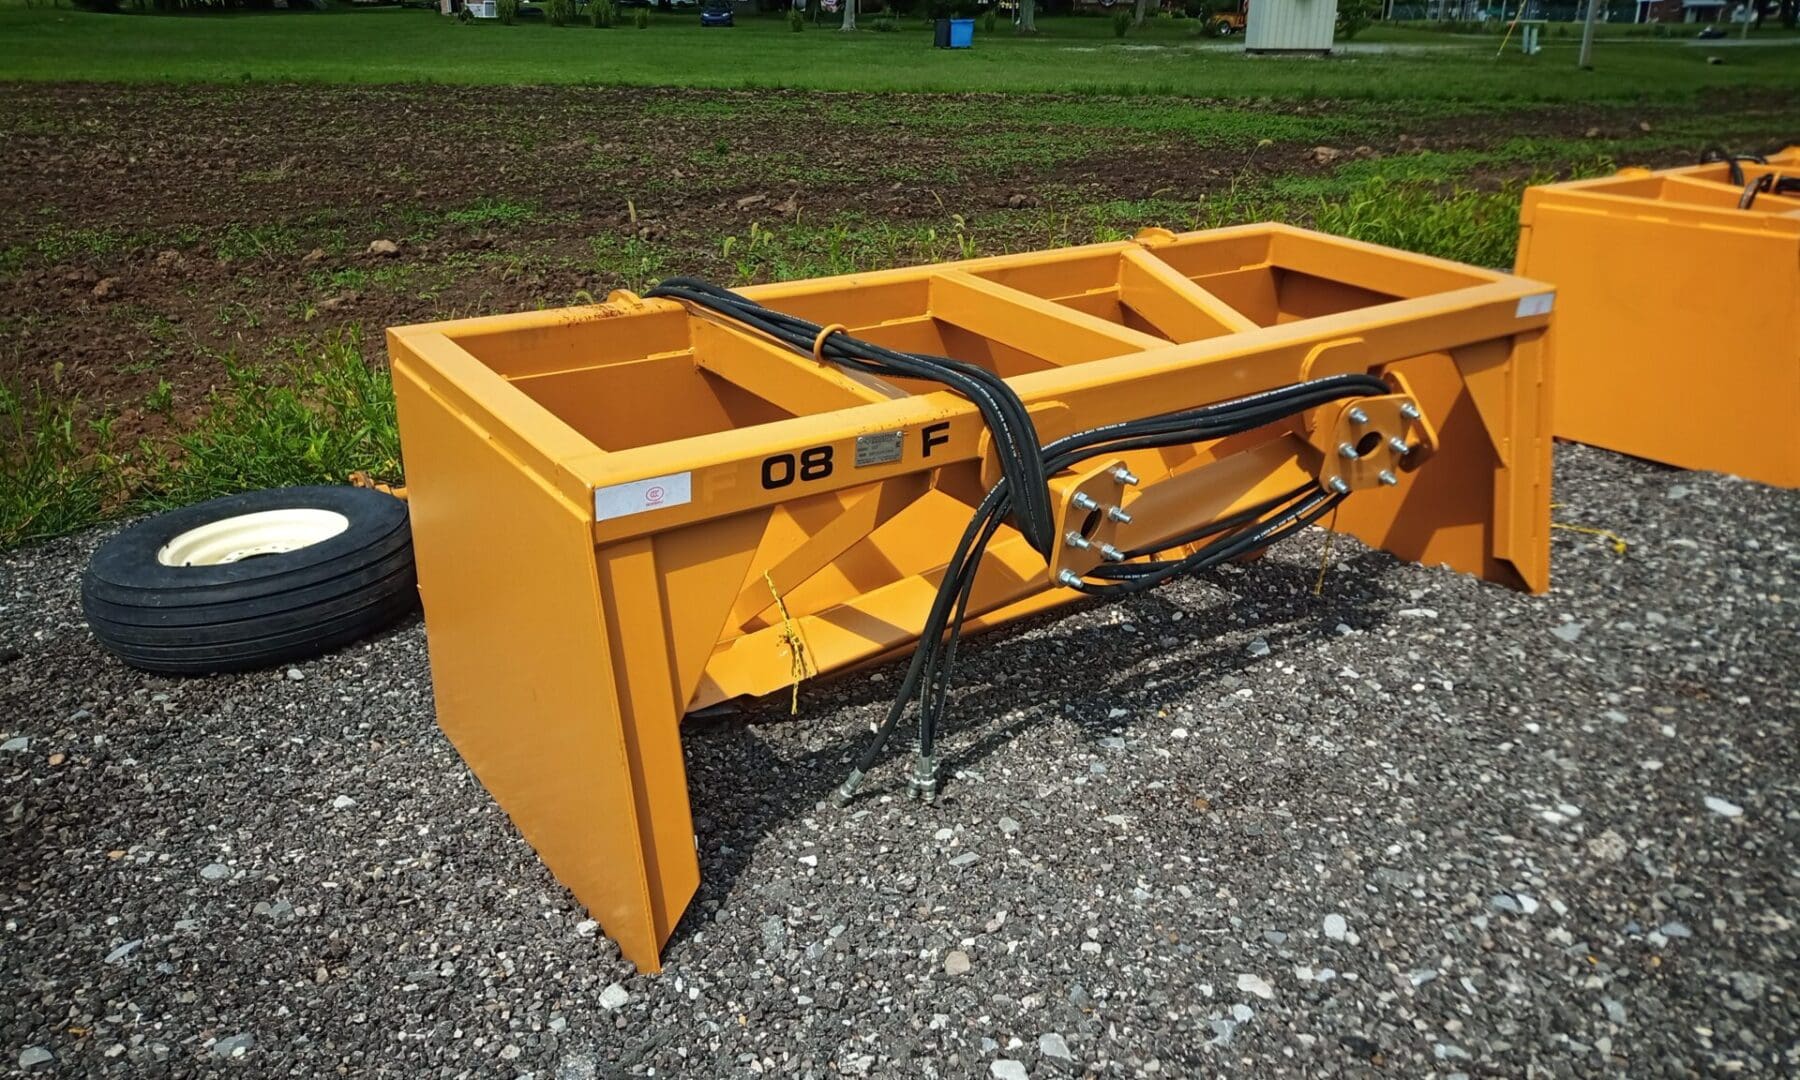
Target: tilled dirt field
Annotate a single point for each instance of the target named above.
(148, 231)
(1416, 825)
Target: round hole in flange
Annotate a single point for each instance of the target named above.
(1369, 443)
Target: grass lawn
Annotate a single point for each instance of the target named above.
(1071, 53)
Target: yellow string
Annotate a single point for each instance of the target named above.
(1325, 552)
(790, 635)
(1613, 539)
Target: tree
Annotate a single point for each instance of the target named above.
(1028, 16)
(1137, 14)
(849, 14)
(1790, 13)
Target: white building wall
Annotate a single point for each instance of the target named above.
(1290, 25)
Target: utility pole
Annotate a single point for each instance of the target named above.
(1587, 36)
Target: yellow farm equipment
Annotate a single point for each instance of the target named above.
(629, 511)
(1688, 278)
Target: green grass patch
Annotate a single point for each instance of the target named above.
(57, 477)
(311, 419)
(1071, 54)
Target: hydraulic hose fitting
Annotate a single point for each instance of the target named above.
(923, 783)
(847, 790)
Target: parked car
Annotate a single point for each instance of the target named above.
(1711, 33)
(716, 13)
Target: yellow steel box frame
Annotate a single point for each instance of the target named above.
(1679, 324)
(607, 500)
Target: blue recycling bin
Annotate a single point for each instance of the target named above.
(953, 33)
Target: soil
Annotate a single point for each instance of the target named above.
(150, 231)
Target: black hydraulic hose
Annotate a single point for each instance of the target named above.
(1714, 154)
(1022, 494)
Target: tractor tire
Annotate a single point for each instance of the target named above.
(1222, 29)
(252, 580)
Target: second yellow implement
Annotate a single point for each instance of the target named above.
(1679, 312)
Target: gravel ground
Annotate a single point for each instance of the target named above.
(1416, 826)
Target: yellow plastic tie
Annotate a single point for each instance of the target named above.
(1325, 552)
(790, 635)
(819, 343)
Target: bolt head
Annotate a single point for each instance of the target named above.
(1337, 484)
(1345, 450)
(1357, 416)
(1409, 410)
(1389, 478)
(1399, 445)
(1069, 578)
(1083, 501)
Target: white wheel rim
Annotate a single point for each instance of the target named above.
(269, 532)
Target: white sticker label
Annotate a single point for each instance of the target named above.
(1535, 304)
(620, 500)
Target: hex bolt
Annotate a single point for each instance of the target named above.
(1084, 501)
(1069, 578)
(1111, 554)
(1389, 478)
(1345, 450)
(1399, 445)
(1357, 416)
(1076, 540)
(1337, 484)
(1125, 476)
(1118, 514)
(1409, 410)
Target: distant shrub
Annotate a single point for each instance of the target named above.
(988, 21)
(1121, 23)
(884, 24)
(796, 21)
(601, 14)
(641, 20)
(508, 11)
(560, 12)
(1354, 16)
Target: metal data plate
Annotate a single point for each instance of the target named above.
(878, 449)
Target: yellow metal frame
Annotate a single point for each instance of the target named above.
(1679, 328)
(625, 512)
